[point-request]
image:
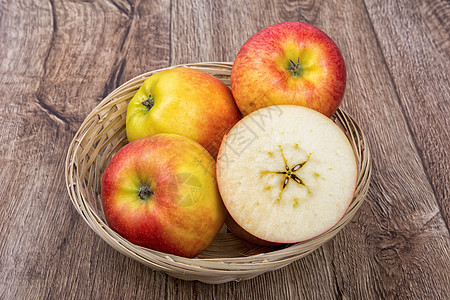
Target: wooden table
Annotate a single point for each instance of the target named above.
(58, 59)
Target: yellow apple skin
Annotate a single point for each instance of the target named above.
(185, 101)
(289, 63)
(160, 192)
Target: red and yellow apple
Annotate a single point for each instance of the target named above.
(286, 174)
(289, 63)
(185, 101)
(160, 192)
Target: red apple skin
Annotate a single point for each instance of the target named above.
(261, 77)
(240, 232)
(166, 221)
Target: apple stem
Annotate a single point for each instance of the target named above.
(149, 102)
(295, 68)
(145, 192)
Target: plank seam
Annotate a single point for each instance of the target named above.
(170, 33)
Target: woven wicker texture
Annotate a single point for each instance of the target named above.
(228, 258)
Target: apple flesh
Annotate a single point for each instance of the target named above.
(289, 63)
(286, 173)
(160, 192)
(185, 101)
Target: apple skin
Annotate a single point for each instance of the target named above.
(183, 212)
(185, 101)
(263, 74)
(240, 232)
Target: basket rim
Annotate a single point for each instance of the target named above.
(219, 266)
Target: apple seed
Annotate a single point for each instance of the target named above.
(289, 173)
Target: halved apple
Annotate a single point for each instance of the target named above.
(286, 173)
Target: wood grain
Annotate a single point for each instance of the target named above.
(73, 55)
(389, 242)
(58, 59)
(401, 212)
(416, 48)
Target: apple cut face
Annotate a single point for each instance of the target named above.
(286, 173)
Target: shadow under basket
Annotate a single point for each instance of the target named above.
(228, 258)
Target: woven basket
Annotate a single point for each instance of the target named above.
(228, 258)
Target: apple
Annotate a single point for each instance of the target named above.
(160, 192)
(244, 234)
(289, 63)
(185, 101)
(286, 173)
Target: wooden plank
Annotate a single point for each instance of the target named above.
(147, 45)
(380, 252)
(416, 48)
(57, 61)
(19, 188)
